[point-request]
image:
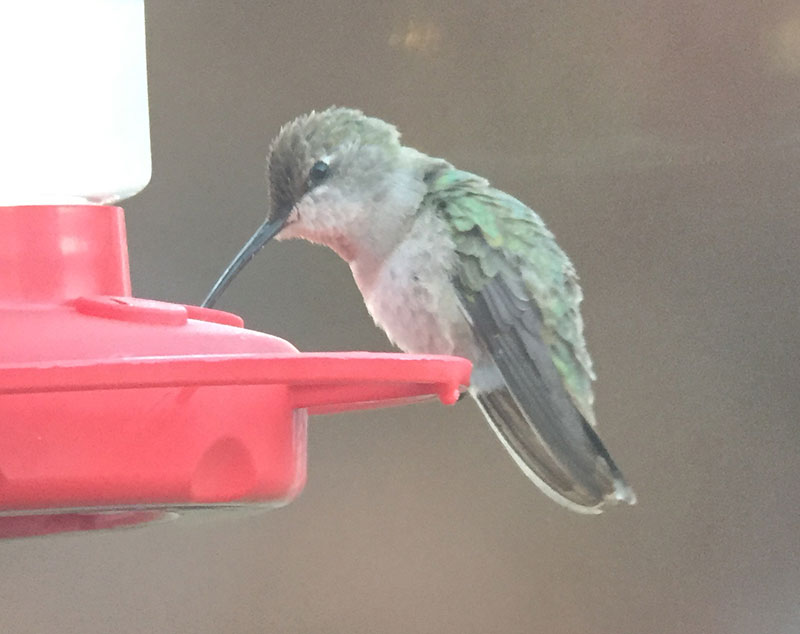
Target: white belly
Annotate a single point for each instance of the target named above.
(411, 296)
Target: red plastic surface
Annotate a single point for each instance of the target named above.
(109, 402)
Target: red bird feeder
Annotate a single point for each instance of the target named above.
(116, 410)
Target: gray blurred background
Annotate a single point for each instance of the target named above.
(661, 142)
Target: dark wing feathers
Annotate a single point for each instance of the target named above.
(539, 422)
(520, 293)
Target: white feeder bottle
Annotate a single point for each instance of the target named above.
(74, 125)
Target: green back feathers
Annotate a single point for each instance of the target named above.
(495, 234)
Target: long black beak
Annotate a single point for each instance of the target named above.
(264, 234)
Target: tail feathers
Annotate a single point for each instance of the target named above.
(582, 490)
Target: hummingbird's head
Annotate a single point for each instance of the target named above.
(328, 171)
(338, 178)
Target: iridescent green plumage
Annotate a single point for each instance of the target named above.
(494, 233)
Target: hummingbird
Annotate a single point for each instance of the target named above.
(447, 264)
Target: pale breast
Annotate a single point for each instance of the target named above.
(411, 296)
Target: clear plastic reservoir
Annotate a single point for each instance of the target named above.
(74, 124)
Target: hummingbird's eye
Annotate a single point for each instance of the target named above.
(318, 172)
